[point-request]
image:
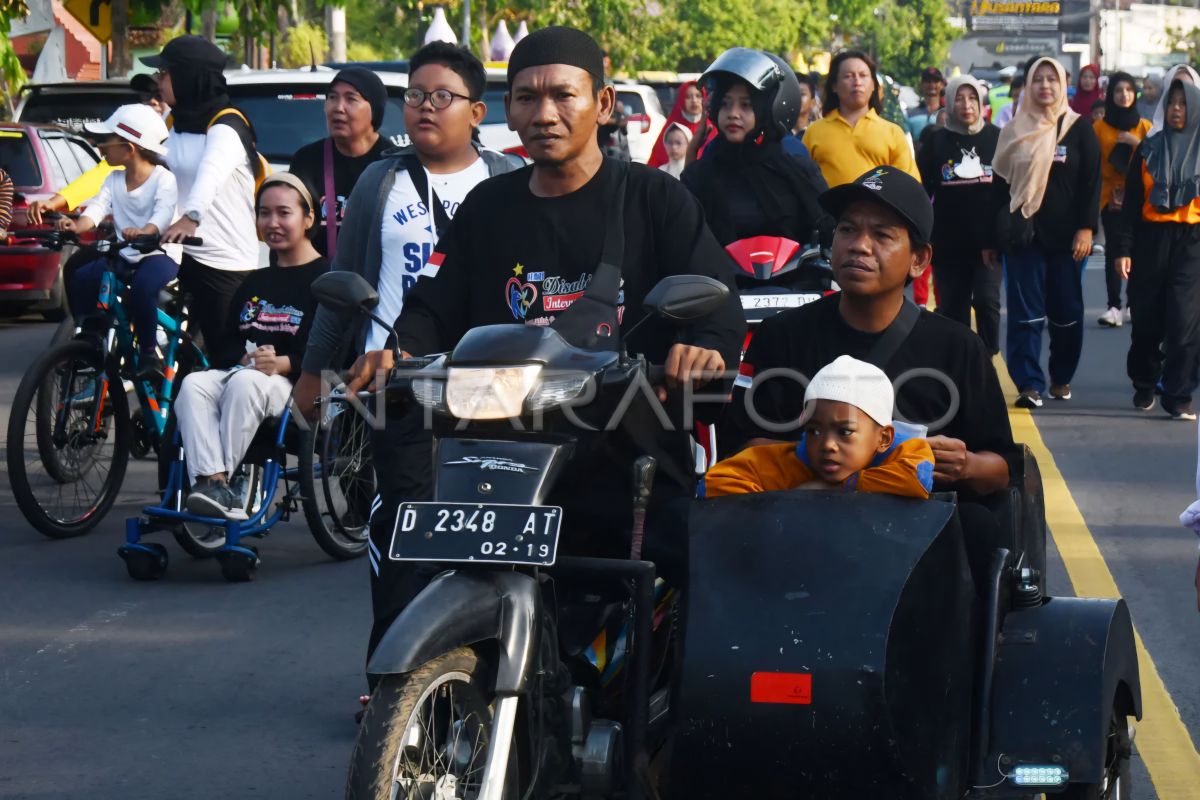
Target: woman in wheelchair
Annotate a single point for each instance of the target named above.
(219, 410)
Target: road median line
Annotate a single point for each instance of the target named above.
(1162, 740)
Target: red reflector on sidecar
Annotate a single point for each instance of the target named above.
(793, 688)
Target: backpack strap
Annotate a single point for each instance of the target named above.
(416, 173)
(258, 165)
(889, 342)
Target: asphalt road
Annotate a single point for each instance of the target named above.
(195, 688)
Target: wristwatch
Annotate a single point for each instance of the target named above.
(193, 215)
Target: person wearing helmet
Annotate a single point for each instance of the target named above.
(746, 182)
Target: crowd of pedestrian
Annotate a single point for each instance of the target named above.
(1011, 186)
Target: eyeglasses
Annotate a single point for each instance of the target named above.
(440, 98)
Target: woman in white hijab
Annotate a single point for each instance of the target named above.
(956, 169)
(676, 139)
(1179, 72)
(1048, 190)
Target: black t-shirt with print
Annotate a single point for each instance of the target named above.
(806, 339)
(512, 257)
(274, 306)
(956, 170)
(309, 164)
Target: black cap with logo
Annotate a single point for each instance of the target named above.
(887, 186)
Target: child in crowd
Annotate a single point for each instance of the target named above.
(675, 142)
(849, 444)
(141, 196)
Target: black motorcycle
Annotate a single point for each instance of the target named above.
(493, 683)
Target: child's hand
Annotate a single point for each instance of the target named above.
(129, 234)
(65, 224)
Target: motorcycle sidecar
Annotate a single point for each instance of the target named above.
(838, 646)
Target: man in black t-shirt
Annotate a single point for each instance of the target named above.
(525, 246)
(942, 374)
(354, 107)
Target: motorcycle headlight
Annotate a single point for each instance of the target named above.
(489, 392)
(555, 390)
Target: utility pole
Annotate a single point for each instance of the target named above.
(466, 36)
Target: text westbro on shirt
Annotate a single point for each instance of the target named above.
(408, 236)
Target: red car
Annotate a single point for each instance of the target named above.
(41, 160)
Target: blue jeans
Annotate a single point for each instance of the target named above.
(1043, 286)
(150, 275)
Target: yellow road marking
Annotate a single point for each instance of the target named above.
(1162, 739)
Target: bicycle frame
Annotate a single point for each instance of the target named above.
(155, 404)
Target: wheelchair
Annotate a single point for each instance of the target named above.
(324, 472)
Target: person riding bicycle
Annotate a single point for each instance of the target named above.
(141, 196)
(524, 247)
(746, 182)
(220, 409)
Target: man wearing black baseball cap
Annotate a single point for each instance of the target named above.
(880, 244)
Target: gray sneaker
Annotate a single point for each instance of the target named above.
(215, 499)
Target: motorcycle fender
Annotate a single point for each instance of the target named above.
(458, 609)
(1061, 669)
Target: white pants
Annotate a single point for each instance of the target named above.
(220, 411)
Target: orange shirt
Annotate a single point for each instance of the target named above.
(906, 470)
(1189, 214)
(1110, 177)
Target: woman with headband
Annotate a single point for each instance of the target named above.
(220, 409)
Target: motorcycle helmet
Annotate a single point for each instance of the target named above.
(777, 91)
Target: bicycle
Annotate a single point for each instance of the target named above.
(70, 433)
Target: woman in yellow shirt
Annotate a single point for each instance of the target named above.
(1120, 132)
(852, 137)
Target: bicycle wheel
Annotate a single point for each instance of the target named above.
(68, 440)
(337, 484)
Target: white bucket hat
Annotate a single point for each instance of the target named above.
(857, 383)
(136, 123)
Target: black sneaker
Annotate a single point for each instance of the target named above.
(1183, 411)
(214, 499)
(1029, 398)
(1143, 399)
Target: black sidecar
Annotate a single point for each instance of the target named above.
(855, 646)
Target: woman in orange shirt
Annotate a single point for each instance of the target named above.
(1120, 132)
(1158, 249)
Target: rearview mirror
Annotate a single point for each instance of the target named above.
(345, 291)
(685, 298)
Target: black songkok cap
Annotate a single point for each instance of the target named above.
(557, 44)
(370, 86)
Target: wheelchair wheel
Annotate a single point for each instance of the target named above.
(338, 484)
(68, 440)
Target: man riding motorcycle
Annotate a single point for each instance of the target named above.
(523, 248)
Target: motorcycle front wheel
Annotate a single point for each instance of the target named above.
(427, 733)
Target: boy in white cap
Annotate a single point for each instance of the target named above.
(849, 444)
(141, 196)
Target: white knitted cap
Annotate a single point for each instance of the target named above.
(857, 383)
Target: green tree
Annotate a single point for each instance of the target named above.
(11, 71)
(908, 35)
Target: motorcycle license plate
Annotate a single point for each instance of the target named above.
(477, 533)
(751, 301)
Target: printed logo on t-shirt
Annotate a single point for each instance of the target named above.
(261, 315)
(339, 208)
(557, 294)
(1060, 154)
(968, 170)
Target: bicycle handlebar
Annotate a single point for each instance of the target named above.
(56, 240)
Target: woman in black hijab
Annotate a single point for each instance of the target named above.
(745, 181)
(1158, 249)
(1120, 132)
(212, 153)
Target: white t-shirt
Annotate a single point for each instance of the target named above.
(215, 179)
(152, 203)
(407, 237)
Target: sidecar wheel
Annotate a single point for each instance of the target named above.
(1117, 783)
